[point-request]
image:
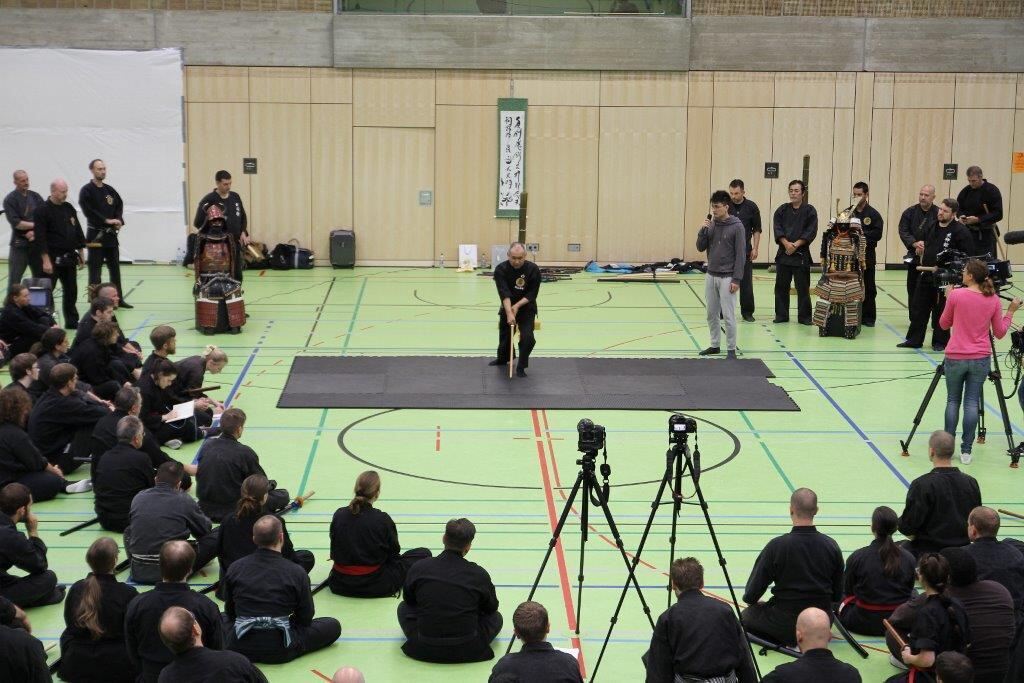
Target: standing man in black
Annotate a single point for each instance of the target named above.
(518, 282)
(872, 225)
(981, 208)
(914, 221)
(795, 225)
(104, 214)
(235, 221)
(929, 299)
(750, 216)
(19, 207)
(61, 246)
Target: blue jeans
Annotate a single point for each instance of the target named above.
(964, 379)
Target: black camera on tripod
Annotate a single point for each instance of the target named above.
(950, 264)
(591, 436)
(680, 427)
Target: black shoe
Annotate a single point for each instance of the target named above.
(55, 598)
(520, 372)
(710, 351)
(868, 324)
(747, 318)
(806, 322)
(908, 345)
(780, 320)
(498, 362)
(124, 304)
(938, 347)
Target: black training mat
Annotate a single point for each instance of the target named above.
(553, 383)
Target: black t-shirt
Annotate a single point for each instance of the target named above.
(750, 215)
(57, 229)
(518, 283)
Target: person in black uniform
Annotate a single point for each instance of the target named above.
(62, 420)
(699, 637)
(878, 579)
(123, 472)
(141, 623)
(192, 376)
(92, 647)
(981, 209)
(24, 369)
(235, 221)
(164, 339)
(39, 587)
(107, 290)
(518, 282)
(806, 567)
(449, 613)
(996, 560)
(368, 560)
(872, 226)
(939, 502)
(537, 660)
(22, 657)
(224, 464)
(96, 362)
(20, 460)
(181, 633)
(158, 403)
(19, 207)
(61, 246)
(101, 309)
(813, 631)
(750, 215)
(795, 225)
(21, 323)
(235, 538)
(929, 299)
(104, 216)
(269, 605)
(914, 222)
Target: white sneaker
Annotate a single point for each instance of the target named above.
(965, 458)
(82, 486)
(173, 444)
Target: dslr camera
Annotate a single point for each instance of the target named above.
(591, 436)
(680, 427)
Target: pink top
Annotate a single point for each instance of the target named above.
(970, 314)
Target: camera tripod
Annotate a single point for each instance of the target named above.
(995, 376)
(586, 481)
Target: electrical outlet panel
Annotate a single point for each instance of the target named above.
(532, 247)
(574, 247)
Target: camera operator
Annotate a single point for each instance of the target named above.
(928, 300)
(61, 245)
(972, 311)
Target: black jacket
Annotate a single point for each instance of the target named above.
(235, 539)
(1002, 563)
(23, 327)
(18, 455)
(93, 362)
(58, 231)
(27, 553)
(191, 373)
(806, 567)
(22, 657)
(938, 503)
(121, 473)
(141, 624)
(366, 539)
(515, 284)
(985, 204)
(55, 418)
(104, 437)
(815, 665)
(156, 402)
(98, 204)
(539, 662)
(203, 665)
(106, 659)
(912, 223)
(866, 579)
(224, 465)
(795, 224)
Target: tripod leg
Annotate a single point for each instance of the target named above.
(677, 504)
(982, 429)
(584, 520)
(1007, 427)
(939, 371)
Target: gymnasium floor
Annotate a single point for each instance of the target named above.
(509, 471)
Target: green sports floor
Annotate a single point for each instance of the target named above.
(510, 471)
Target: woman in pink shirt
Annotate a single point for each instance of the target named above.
(972, 311)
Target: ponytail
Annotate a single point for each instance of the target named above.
(934, 570)
(254, 489)
(987, 287)
(101, 557)
(978, 270)
(367, 489)
(214, 353)
(884, 523)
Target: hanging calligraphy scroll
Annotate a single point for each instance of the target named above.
(511, 156)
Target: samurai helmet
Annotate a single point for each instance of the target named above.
(214, 213)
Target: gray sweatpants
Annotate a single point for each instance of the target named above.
(720, 301)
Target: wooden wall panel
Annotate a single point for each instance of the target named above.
(986, 91)
(923, 91)
(878, 180)
(812, 89)
(643, 176)
(331, 163)
(744, 89)
(885, 84)
(393, 98)
(797, 132)
(279, 84)
(280, 204)
(466, 168)
(217, 84)
(473, 87)
(330, 86)
(218, 138)
(983, 137)
(561, 178)
(1013, 192)
(390, 167)
(700, 91)
(842, 160)
(647, 89)
(1020, 91)
(550, 88)
(863, 107)
(741, 142)
(846, 89)
(697, 173)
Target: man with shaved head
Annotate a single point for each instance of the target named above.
(19, 208)
(806, 568)
(518, 282)
(348, 674)
(912, 224)
(269, 604)
(813, 631)
(183, 636)
(997, 560)
(60, 243)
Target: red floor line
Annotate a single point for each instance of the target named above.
(563, 574)
(437, 443)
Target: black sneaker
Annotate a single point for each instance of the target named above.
(779, 321)
(55, 598)
(710, 351)
(498, 362)
(938, 347)
(520, 372)
(747, 318)
(806, 322)
(908, 345)
(868, 324)
(124, 304)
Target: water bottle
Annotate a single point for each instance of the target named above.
(441, 262)
(179, 257)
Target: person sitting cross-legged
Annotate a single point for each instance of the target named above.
(181, 632)
(28, 553)
(62, 420)
(123, 472)
(537, 660)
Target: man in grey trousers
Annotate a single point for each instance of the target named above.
(723, 237)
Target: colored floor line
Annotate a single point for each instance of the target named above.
(686, 328)
(312, 455)
(355, 315)
(768, 452)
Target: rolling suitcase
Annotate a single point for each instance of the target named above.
(343, 248)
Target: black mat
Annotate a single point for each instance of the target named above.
(584, 383)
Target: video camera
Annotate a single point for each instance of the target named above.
(950, 264)
(591, 436)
